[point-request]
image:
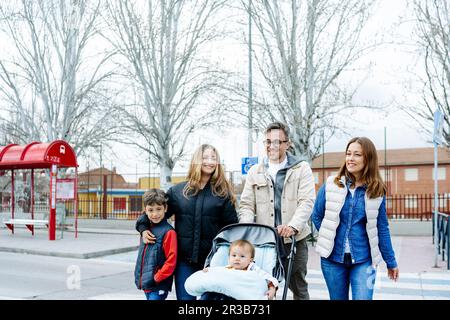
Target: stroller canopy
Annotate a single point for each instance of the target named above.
(257, 234)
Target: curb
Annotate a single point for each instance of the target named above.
(87, 255)
(103, 231)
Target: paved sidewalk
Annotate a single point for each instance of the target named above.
(90, 243)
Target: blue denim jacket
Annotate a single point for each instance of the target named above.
(352, 224)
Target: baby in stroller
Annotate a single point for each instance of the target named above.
(242, 254)
(244, 264)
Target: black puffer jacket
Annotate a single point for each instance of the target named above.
(198, 219)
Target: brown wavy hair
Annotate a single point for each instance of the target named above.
(371, 174)
(220, 186)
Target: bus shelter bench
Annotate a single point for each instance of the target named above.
(29, 223)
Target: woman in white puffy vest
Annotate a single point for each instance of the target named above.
(350, 214)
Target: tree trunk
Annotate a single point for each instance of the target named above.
(165, 176)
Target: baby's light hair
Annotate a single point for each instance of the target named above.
(244, 243)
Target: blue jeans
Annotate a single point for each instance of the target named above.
(182, 272)
(156, 295)
(340, 276)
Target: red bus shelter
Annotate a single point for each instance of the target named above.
(36, 155)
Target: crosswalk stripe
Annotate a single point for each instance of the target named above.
(411, 286)
(10, 298)
(315, 294)
(118, 296)
(444, 276)
(436, 276)
(394, 285)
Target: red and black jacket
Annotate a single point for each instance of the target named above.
(153, 270)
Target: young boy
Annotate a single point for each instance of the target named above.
(156, 261)
(241, 256)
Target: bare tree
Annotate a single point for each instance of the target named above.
(160, 44)
(52, 82)
(304, 47)
(433, 34)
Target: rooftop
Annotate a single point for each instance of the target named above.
(397, 157)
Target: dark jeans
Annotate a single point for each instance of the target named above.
(297, 282)
(340, 276)
(182, 272)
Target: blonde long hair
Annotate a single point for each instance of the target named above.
(219, 184)
(371, 173)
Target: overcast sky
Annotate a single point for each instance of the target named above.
(383, 86)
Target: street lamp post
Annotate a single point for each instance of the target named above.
(437, 140)
(250, 82)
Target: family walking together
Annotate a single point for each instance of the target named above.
(279, 193)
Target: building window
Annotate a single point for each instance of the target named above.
(316, 177)
(119, 204)
(383, 175)
(411, 202)
(440, 174)
(411, 174)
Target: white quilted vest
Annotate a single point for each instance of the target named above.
(335, 198)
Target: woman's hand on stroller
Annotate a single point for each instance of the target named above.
(148, 237)
(286, 231)
(205, 269)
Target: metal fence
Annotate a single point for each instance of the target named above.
(414, 206)
(419, 207)
(113, 209)
(443, 236)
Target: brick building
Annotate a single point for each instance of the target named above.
(406, 171)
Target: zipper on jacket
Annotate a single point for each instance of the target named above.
(142, 265)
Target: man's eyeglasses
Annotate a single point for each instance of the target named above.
(274, 143)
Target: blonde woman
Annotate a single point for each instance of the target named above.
(350, 214)
(203, 205)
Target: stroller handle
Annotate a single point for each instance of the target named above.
(288, 276)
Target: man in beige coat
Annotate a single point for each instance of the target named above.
(280, 192)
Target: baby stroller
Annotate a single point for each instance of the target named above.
(268, 249)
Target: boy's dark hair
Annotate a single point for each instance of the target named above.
(280, 126)
(155, 196)
(244, 243)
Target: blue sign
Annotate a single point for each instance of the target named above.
(247, 162)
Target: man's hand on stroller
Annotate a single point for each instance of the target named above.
(148, 237)
(286, 231)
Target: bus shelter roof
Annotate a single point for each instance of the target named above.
(36, 155)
